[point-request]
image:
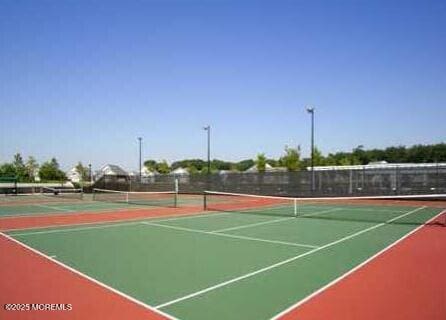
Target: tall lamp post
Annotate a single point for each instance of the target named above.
(208, 129)
(310, 110)
(140, 158)
(90, 175)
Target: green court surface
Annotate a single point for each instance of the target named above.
(228, 265)
(48, 208)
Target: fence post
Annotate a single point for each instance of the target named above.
(350, 185)
(437, 176)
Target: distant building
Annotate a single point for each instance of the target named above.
(268, 168)
(111, 170)
(381, 165)
(147, 175)
(146, 172)
(180, 172)
(36, 176)
(73, 175)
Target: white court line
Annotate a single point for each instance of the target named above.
(283, 262)
(254, 224)
(108, 224)
(376, 209)
(213, 233)
(300, 302)
(58, 213)
(83, 275)
(53, 207)
(274, 221)
(202, 214)
(75, 229)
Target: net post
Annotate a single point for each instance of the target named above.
(204, 201)
(295, 207)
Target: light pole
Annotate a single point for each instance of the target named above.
(140, 159)
(89, 174)
(310, 110)
(208, 129)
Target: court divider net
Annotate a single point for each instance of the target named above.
(375, 209)
(156, 198)
(68, 193)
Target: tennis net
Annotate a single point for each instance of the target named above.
(365, 209)
(156, 199)
(64, 193)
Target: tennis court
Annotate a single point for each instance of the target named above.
(76, 202)
(245, 257)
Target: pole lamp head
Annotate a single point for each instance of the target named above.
(207, 127)
(310, 109)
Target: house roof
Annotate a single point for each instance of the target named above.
(268, 167)
(112, 169)
(180, 171)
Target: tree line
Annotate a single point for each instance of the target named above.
(29, 170)
(26, 171)
(291, 159)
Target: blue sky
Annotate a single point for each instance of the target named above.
(80, 80)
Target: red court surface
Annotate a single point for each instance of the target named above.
(54, 220)
(407, 282)
(27, 277)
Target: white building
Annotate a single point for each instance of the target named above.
(73, 175)
(180, 172)
(111, 170)
(268, 168)
(381, 165)
(146, 172)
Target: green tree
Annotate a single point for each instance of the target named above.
(192, 169)
(7, 170)
(291, 159)
(204, 170)
(221, 165)
(50, 171)
(150, 164)
(163, 167)
(396, 154)
(438, 152)
(31, 166)
(273, 162)
(20, 168)
(82, 170)
(318, 158)
(244, 165)
(197, 163)
(261, 162)
(361, 154)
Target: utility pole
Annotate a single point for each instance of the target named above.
(310, 110)
(140, 158)
(208, 129)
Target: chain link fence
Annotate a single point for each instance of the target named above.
(362, 182)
